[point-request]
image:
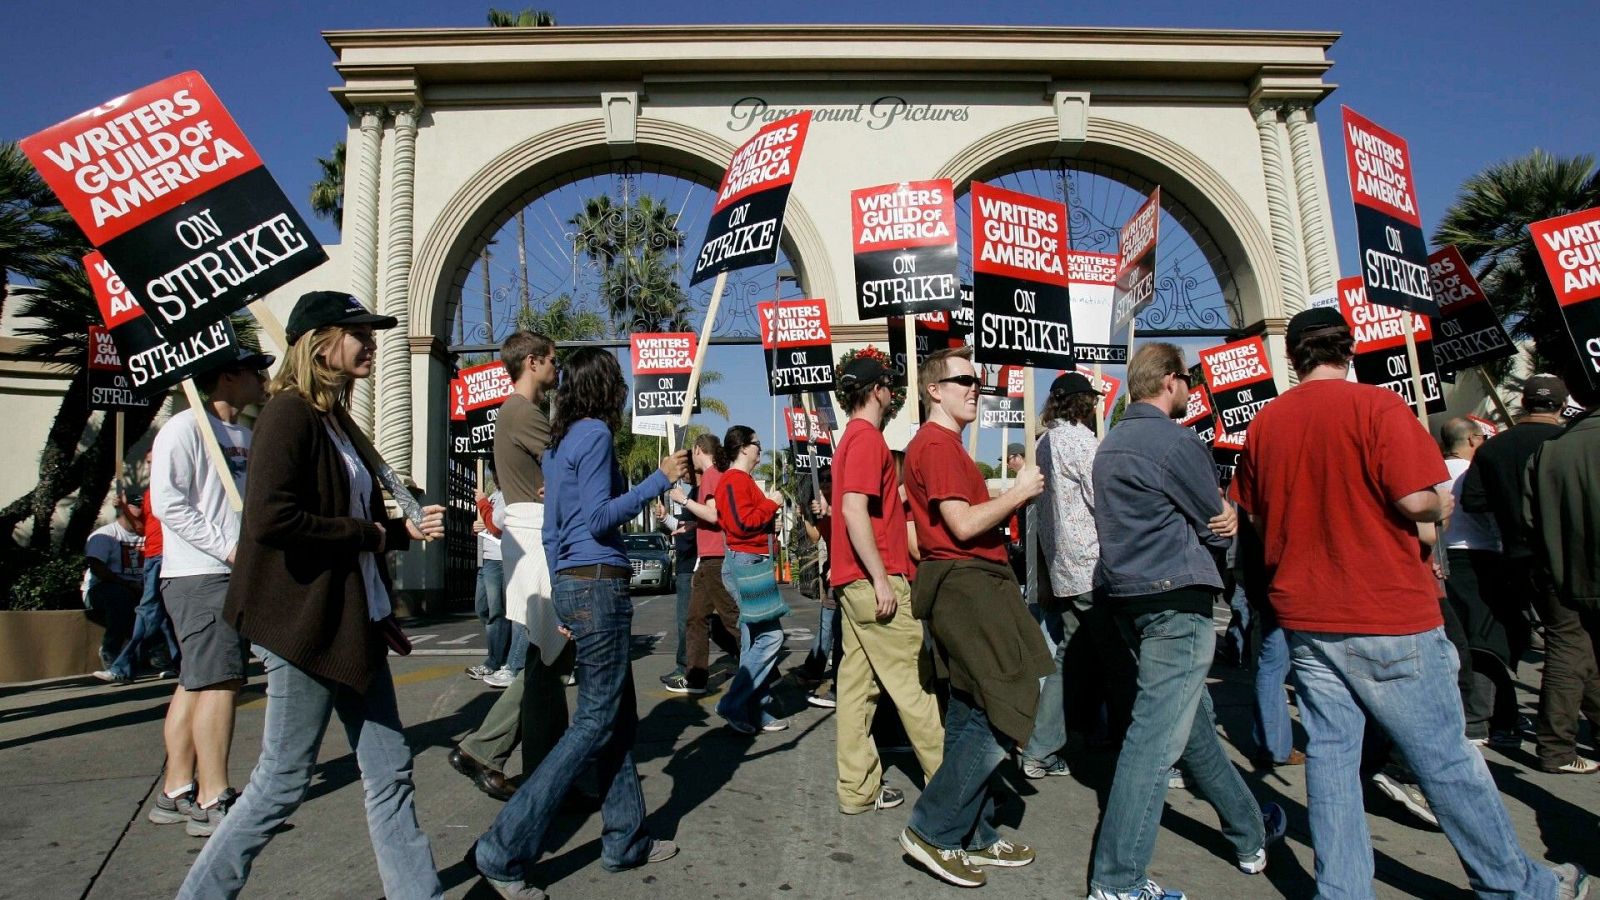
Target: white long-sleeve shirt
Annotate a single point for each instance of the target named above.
(199, 530)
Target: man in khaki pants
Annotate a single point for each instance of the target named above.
(871, 568)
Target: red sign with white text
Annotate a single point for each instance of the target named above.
(663, 354)
(1570, 248)
(766, 161)
(1380, 168)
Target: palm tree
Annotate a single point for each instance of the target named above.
(1488, 223)
(35, 230)
(527, 18)
(327, 192)
(636, 252)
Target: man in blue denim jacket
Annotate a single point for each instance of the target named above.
(1157, 510)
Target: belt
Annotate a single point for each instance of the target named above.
(598, 572)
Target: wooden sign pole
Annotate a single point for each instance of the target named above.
(208, 439)
(1005, 444)
(972, 438)
(1416, 368)
(913, 400)
(699, 363)
(1030, 416)
(121, 445)
(270, 324)
(480, 473)
(1494, 394)
(1099, 407)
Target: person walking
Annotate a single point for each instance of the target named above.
(313, 594)
(871, 571)
(586, 503)
(747, 517)
(150, 620)
(489, 590)
(986, 644)
(1159, 515)
(708, 596)
(1336, 477)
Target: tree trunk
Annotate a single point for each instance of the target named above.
(60, 448)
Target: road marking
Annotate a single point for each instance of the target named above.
(419, 638)
(429, 673)
(459, 640)
(435, 651)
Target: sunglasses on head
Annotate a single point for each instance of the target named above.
(966, 381)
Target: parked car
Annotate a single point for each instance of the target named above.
(650, 555)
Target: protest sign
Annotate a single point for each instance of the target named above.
(1199, 417)
(809, 438)
(1380, 346)
(1092, 279)
(797, 344)
(1570, 248)
(152, 365)
(1135, 286)
(487, 386)
(1019, 279)
(1469, 332)
(933, 332)
(661, 365)
(1485, 427)
(164, 184)
(904, 238)
(1394, 254)
(1001, 404)
(460, 435)
(1240, 383)
(961, 319)
(747, 216)
(1107, 385)
(110, 388)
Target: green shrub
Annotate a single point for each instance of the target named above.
(33, 579)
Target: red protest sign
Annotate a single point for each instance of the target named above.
(458, 400)
(151, 363)
(116, 302)
(1394, 253)
(1240, 381)
(1019, 279)
(768, 160)
(663, 354)
(904, 238)
(1569, 246)
(797, 344)
(1470, 334)
(486, 386)
(805, 427)
(109, 385)
(1135, 286)
(1380, 168)
(748, 213)
(139, 155)
(1380, 345)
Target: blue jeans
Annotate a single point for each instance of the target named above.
(489, 600)
(599, 613)
(685, 579)
(1273, 731)
(956, 809)
(517, 652)
(149, 620)
(1406, 684)
(1058, 619)
(823, 660)
(1172, 720)
(298, 708)
(1238, 636)
(759, 643)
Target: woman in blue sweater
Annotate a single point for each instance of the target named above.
(586, 502)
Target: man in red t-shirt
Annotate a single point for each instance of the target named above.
(986, 640)
(871, 570)
(1336, 476)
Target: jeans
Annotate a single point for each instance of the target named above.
(599, 613)
(759, 643)
(489, 600)
(1172, 720)
(685, 580)
(149, 620)
(1273, 731)
(956, 809)
(298, 708)
(823, 660)
(1058, 619)
(1405, 684)
(517, 652)
(1238, 635)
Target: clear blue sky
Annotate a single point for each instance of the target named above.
(1467, 83)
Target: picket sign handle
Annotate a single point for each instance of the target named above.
(480, 475)
(208, 438)
(1099, 404)
(699, 362)
(270, 324)
(1416, 368)
(811, 444)
(1030, 416)
(912, 400)
(1131, 326)
(121, 445)
(1494, 393)
(972, 438)
(1005, 444)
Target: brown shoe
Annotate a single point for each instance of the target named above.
(1264, 761)
(495, 784)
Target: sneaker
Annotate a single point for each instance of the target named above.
(661, 851)
(775, 725)
(479, 672)
(1002, 853)
(569, 679)
(1150, 891)
(1033, 768)
(675, 673)
(1479, 741)
(948, 865)
(888, 798)
(1407, 795)
(1275, 823)
(736, 725)
(1572, 883)
(823, 697)
(110, 677)
(678, 684)
(204, 820)
(1177, 778)
(172, 810)
(1505, 739)
(1578, 766)
(500, 678)
(168, 674)
(507, 890)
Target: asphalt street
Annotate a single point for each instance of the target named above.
(755, 816)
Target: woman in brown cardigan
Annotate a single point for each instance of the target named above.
(310, 589)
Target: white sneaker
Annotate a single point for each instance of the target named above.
(479, 672)
(500, 678)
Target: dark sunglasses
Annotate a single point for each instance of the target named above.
(1187, 381)
(966, 381)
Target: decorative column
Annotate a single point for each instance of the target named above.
(1320, 272)
(363, 235)
(1285, 246)
(394, 349)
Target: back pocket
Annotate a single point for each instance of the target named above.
(1381, 659)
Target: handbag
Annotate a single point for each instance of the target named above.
(759, 600)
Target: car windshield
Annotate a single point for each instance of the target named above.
(644, 541)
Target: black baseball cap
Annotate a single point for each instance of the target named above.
(253, 361)
(1316, 319)
(1544, 392)
(864, 370)
(1071, 383)
(1015, 450)
(318, 308)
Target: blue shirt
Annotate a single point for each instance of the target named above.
(586, 499)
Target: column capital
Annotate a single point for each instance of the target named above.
(406, 114)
